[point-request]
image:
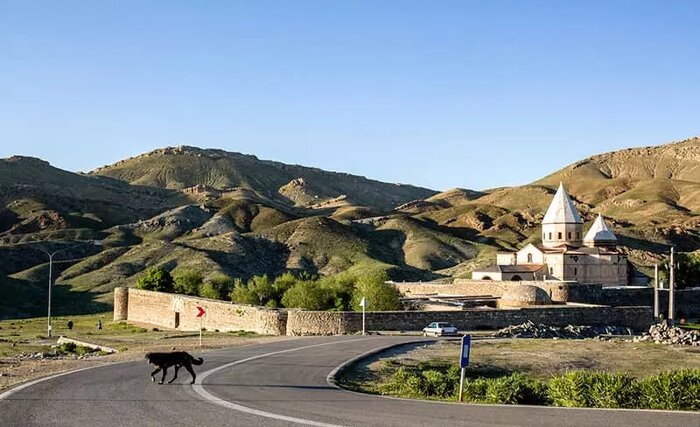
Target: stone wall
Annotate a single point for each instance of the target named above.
(687, 301)
(179, 312)
(558, 291)
(335, 323)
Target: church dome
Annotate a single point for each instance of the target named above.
(600, 234)
(561, 210)
(523, 296)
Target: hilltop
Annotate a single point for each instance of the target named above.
(186, 167)
(217, 211)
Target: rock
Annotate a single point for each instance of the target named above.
(662, 333)
(531, 330)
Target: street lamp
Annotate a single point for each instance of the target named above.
(50, 254)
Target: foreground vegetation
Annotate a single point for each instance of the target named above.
(541, 372)
(341, 292)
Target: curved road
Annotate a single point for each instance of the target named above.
(275, 384)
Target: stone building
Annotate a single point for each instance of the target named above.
(565, 253)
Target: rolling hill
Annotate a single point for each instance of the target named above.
(216, 211)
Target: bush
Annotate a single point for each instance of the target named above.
(516, 389)
(156, 279)
(379, 295)
(242, 295)
(307, 295)
(677, 390)
(594, 390)
(217, 286)
(187, 282)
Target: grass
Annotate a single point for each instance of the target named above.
(539, 359)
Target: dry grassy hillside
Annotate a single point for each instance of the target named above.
(222, 212)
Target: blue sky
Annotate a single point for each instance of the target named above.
(443, 94)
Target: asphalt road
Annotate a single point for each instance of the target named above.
(275, 384)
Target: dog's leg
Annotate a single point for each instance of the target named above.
(165, 372)
(188, 366)
(177, 367)
(153, 378)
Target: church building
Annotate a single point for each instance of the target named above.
(565, 254)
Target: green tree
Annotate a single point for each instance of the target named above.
(156, 279)
(261, 287)
(187, 281)
(240, 293)
(379, 295)
(308, 295)
(283, 283)
(216, 286)
(687, 270)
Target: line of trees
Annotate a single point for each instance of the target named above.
(335, 293)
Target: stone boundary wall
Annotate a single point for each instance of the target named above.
(180, 311)
(558, 291)
(335, 323)
(687, 301)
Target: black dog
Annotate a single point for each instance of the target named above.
(178, 359)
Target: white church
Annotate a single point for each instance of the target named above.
(563, 254)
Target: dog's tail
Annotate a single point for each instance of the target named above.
(196, 361)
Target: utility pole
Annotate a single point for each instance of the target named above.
(656, 292)
(671, 289)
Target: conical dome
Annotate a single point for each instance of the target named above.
(600, 234)
(561, 210)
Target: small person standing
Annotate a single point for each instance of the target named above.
(99, 325)
(70, 325)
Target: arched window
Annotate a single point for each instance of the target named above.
(550, 236)
(559, 234)
(516, 278)
(551, 270)
(575, 271)
(529, 258)
(569, 234)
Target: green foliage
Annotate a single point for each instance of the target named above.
(687, 271)
(379, 295)
(516, 389)
(156, 279)
(241, 294)
(306, 294)
(187, 282)
(675, 390)
(217, 286)
(594, 390)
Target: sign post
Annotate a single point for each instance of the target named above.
(464, 361)
(363, 304)
(200, 314)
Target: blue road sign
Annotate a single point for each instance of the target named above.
(466, 346)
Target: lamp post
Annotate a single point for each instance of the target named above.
(50, 254)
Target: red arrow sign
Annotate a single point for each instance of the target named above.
(201, 311)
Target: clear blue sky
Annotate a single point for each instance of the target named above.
(442, 94)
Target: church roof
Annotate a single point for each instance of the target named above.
(561, 210)
(600, 232)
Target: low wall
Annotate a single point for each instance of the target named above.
(687, 301)
(179, 312)
(336, 323)
(558, 291)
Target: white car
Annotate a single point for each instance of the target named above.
(440, 329)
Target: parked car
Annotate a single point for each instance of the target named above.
(440, 329)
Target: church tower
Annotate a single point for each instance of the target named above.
(600, 236)
(561, 224)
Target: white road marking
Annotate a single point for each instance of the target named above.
(199, 388)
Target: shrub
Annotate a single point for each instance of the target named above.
(218, 286)
(187, 282)
(242, 295)
(475, 390)
(379, 295)
(677, 390)
(156, 279)
(516, 389)
(307, 295)
(594, 390)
